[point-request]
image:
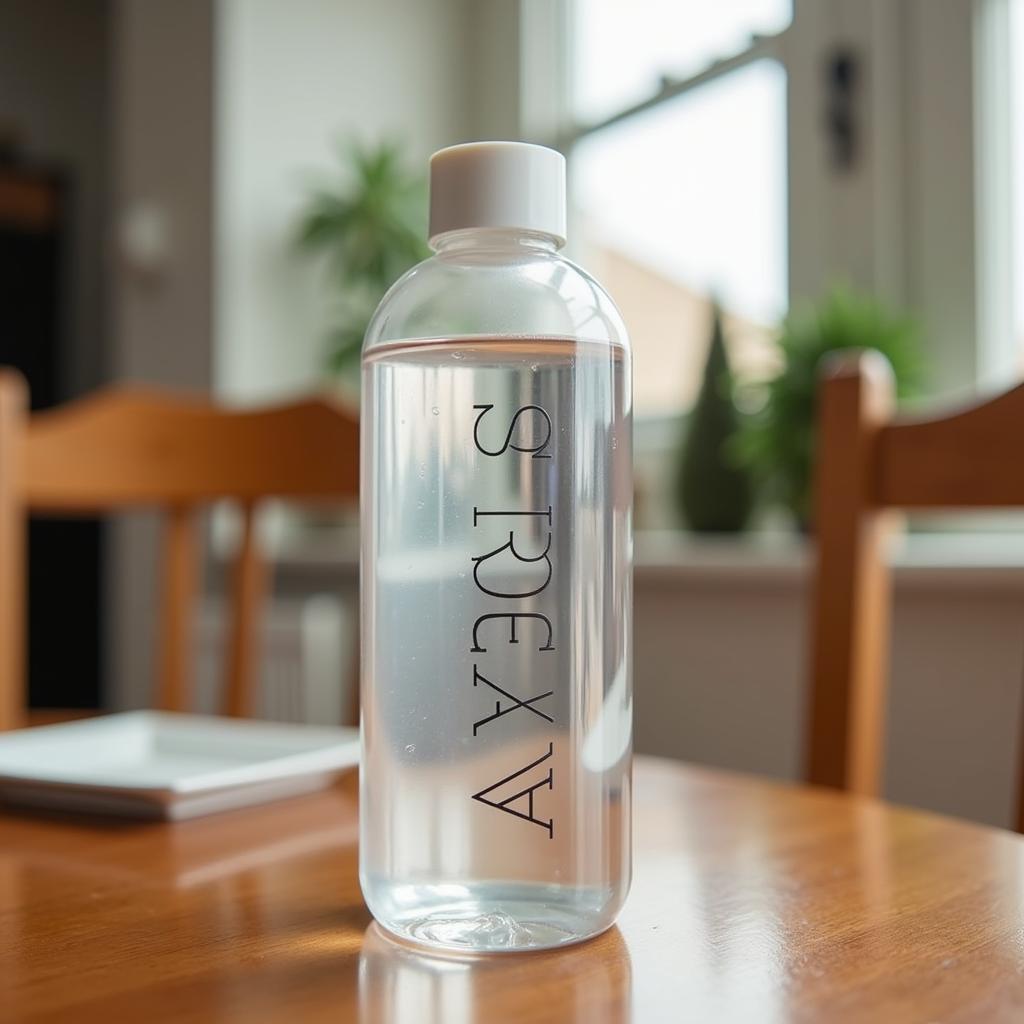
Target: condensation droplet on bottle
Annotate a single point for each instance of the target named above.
(436, 411)
(410, 748)
(421, 503)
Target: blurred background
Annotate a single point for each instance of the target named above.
(192, 192)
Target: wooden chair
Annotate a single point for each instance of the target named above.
(131, 447)
(869, 464)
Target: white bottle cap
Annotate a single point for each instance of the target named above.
(497, 185)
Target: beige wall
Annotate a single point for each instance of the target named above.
(162, 89)
(161, 317)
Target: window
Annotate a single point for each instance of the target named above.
(686, 199)
(622, 51)
(763, 151)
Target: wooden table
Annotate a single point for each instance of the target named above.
(752, 901)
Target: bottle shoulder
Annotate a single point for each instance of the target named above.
(493, 294)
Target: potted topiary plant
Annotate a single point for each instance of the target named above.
(714, 490)
(371, 226)
(778, 441)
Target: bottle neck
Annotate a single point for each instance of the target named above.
(485, 240)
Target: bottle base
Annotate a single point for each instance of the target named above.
(500, 923)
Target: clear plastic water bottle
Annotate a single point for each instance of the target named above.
(496, 575)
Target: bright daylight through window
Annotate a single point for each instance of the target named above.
(686, 200)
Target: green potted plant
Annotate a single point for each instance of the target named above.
(371, 226)
(777, 442)
(713, 489)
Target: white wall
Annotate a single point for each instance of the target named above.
(720, 666)
(294, 80)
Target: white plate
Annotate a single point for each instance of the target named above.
(156, 764)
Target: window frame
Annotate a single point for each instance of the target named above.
(919, 219)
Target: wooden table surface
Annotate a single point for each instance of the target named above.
(751, 901)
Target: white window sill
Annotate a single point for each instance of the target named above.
(933, 559)
(984, 559)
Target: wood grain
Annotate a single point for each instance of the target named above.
(968, 457)
(752, 901)
(139, 446)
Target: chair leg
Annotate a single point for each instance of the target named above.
(13, 541)
(352, 712)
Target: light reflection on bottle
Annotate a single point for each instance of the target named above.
(590, 983)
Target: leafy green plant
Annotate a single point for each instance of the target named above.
(778, 442)
(371, 226)
(714, 492)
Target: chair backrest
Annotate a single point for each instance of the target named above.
(870, 463)
(133, 447)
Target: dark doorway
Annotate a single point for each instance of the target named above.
(54, 151)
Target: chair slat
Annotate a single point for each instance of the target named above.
(177, 642)
(249, 588)
(137, 447)
(850, 614)
(969, 459)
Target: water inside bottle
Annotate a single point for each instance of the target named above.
(496, 654)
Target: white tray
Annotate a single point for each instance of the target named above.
(155, 764)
